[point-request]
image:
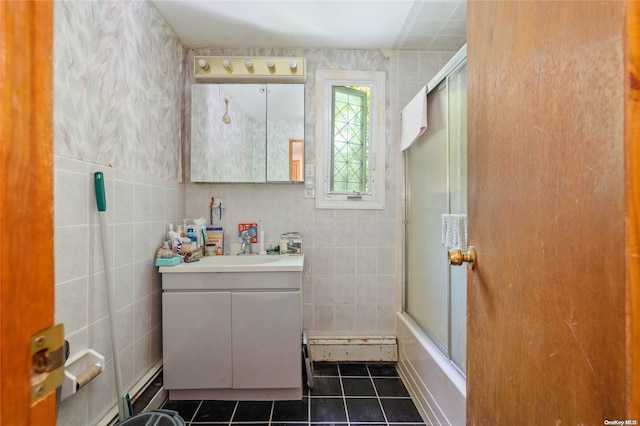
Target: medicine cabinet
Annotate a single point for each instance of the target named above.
(247, 133)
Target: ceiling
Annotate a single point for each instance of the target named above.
(318, 24)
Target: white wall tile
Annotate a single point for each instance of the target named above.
(123, 285)
(142, 281)
(155, 345)
(345, 258)
(69, 242)
(366, 316)
(74, 410)
(71, 304)
(142, 318)
(97, 297)
(70, 207)
(366, 289)
(142, 354)
(123, 244)
(345, 292)
(345, 318)
(386, 261)
(125, 324)
(385, 288)
(366, 233)
(142, 203)
(385, 317)
(100, 337)
(323, 317)
(127, 365)
(123, 201)
(324, 261)
(323, 289)
(101, 395)
(142, 241)
(366, 261)
(345, 231)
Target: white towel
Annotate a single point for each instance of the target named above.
(414, 119)
(454, 231)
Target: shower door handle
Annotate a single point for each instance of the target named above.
(458, 257)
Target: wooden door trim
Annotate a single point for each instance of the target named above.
(26, 202)
(632, 148)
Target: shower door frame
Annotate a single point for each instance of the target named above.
(455, 63)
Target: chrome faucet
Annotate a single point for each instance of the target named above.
(245, 247)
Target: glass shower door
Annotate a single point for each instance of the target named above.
(436, 184)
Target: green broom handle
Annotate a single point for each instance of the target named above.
(101, 198)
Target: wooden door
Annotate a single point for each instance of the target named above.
(26, 203)
(547, 303)
(296, 153)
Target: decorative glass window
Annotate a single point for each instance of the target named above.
(350, 136)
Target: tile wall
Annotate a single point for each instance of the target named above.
(117, 109)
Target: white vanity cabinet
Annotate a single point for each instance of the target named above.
(232, 335)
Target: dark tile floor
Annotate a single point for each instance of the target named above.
(343, 394)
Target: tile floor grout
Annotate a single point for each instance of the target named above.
(401, 414)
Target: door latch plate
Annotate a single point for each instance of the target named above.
(47, 360)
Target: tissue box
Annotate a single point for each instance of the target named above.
(291, 243)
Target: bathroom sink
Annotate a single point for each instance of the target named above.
(238, 260)
(248, 263)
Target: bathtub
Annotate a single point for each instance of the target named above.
(436, 386)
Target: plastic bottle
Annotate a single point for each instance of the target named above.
(191, 234)
(170, 232)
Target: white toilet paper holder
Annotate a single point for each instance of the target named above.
(79, 370)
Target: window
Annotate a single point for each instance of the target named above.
(350, 134)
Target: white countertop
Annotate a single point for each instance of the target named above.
(247, 263)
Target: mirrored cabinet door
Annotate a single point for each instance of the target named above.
(285, 132)
(228, 132)
(247, 132)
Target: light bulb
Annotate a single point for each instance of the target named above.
(249, 65)
(226, 65)
(271, 65)
(293, 65)
(203, 64)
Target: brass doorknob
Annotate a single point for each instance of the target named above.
(457, 257)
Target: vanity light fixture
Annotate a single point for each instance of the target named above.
(226, 118)
(225, 64)
(245, 69)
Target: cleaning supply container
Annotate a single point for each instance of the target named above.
(154, 418)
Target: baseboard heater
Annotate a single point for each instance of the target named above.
(335, 349)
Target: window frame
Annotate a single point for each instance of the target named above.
(325, 81)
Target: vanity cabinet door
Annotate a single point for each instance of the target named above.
(266, 340)
(196, 328)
